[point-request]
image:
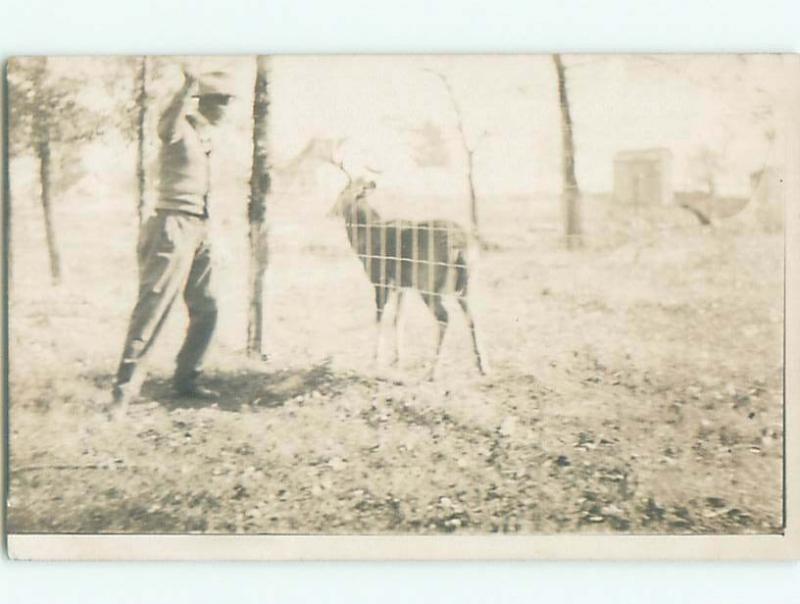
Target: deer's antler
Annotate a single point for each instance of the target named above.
(340, 163)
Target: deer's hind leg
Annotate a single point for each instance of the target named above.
(480, 357)
(434, 302)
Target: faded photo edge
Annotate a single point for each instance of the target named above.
(374, 547)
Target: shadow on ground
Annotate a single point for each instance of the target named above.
(256, 388)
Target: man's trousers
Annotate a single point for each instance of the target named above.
(174, 257)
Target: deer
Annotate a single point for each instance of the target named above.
(400, 256)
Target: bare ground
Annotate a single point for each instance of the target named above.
(636, 387)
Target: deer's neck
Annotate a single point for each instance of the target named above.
(361, 214)
(359, 220)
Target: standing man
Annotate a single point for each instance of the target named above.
(174, 252)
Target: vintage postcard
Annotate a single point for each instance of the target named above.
(402, 307)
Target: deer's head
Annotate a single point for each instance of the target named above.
(353, 194)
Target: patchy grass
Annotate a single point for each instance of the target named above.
(636, 387)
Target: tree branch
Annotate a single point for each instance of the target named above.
(468, 151)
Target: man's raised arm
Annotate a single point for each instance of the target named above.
(177, 108)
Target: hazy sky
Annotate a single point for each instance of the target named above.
(511, 116)
(391, 108)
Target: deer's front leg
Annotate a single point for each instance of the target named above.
(398, 330)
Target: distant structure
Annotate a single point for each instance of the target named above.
(643, 177)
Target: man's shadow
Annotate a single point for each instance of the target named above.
(255, 388)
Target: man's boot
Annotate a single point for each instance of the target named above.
(189, 388)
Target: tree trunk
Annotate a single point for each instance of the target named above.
(41, 140)
(43, 153)
(469, 151)
(141, 106)
(473, 202)
(570, 192)
(257, 209)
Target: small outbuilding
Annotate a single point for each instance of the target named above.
(643, 177)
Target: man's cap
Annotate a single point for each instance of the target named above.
(215, 82)
(231, 76)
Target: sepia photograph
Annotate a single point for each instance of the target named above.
(398, 295)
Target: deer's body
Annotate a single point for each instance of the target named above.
(399, 255)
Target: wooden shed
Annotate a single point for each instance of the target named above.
(643, 176)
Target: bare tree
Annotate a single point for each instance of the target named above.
(570, 192)
(256, 211)
(141, 114)
(469, 152)
(131, 119)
